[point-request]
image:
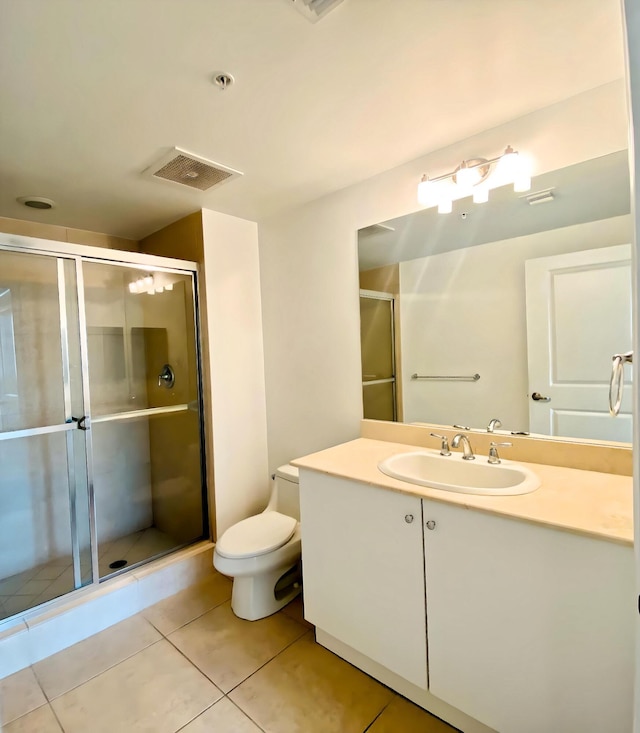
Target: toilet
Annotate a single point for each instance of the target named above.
(262, 553)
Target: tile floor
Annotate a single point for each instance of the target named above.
(188, 664)
(46, 582)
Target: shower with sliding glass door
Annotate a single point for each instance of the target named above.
(101, 438)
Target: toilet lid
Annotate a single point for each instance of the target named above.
(256, 535)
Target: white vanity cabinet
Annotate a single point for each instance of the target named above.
(530, 629)
(363, 570)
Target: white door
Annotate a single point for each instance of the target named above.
(578, 316)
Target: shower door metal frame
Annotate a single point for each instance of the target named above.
(134, 260)
(393, 380)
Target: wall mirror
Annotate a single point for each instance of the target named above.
(510, 309)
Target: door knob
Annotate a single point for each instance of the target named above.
(537, 397)
(408, 518)
(431, 524)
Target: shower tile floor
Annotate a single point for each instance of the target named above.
(48, 581)
(188, 664)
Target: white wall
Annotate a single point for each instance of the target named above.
(234, 322)
(464, 312)
(309, 270)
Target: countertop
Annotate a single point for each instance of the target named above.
(585, 502)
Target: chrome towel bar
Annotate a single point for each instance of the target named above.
(473, 378)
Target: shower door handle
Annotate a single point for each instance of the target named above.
(83, 423)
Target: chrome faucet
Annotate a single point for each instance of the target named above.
(466, 446)
(493, 424)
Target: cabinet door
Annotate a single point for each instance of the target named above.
(530, 628)
(363, 570)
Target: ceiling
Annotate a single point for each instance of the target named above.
(92, 93)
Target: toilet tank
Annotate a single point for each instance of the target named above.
(285, 493)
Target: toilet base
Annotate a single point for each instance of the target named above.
(255, 596)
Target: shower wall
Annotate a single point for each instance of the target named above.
(122, 473)
(34, 525)
(175, 464)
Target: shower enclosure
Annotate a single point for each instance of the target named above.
(101, 441)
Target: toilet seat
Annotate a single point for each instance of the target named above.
(256, 535)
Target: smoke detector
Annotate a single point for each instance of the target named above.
(186, 169)
(313, 10)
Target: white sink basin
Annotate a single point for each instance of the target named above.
(452, 473)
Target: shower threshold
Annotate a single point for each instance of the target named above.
(47, 581)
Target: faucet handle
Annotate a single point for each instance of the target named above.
(493, 451)
(444, 448)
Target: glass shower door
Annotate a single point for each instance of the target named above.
(45, 548)
(378, 355)
(144, 393)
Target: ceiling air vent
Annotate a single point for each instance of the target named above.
(187, 169)
(313, 10)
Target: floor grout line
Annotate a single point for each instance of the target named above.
(244, 712)
(255, 671)
(55, 715)
(305, 632)
(93, 677)
(193, 664)
(384, 707)
(195, 618)
(202, 712)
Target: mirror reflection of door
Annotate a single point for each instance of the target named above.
(378, 355)
(579, 313)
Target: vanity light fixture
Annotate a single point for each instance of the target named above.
(146, 284)
(474, 177)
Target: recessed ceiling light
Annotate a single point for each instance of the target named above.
(36, 202)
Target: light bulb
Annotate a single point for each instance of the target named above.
(522, 177)
(522, 182)
(426, 192)
(508, 165)
(481, 194)
(148, 280)
(445, 206)
(133, 287)
(169, 286)
(466, 177)
(160, 289)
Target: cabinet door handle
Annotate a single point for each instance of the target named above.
(408, 518)
(431, 524)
